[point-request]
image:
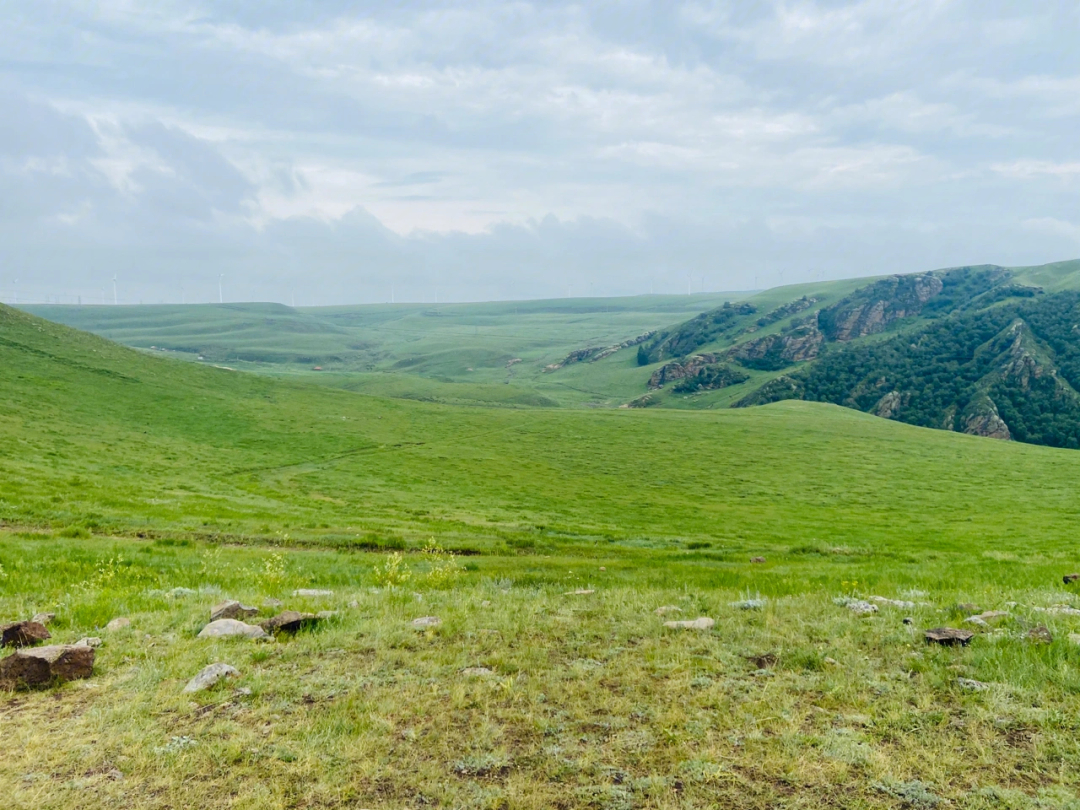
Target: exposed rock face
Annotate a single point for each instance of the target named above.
(231, 609)
(783, 387)
(22, 634)
(230, 628)
(869, 311)
(290, 621)
(982, 419)
(680, 369)
(594, 353)
(44, 666)
(888, 405)
(804, 342)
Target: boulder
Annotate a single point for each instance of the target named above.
(311, 592)
(47, 665)
(44, 618)
(118, 623)
(290, 621)
(232, 628)
(231, 609)
(425, 622)
(949, 636)
(89, 641)
(700, 623)
(22, 634)
(210, 677)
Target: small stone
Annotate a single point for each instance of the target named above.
(426, 621)
(118, 623)
(116, 775)
(46, 665)
(748, 604)
(210, 677)
(976, 620)
(89, 641)
(603, 568)
(486, 603)
(1070, 578)
(354, 604)
(1040, 635)
(861, 608)
(311, 592)
(242, 691)
(972, 685)
(700, 623)
(44, 618)
(23, 634)
(476, 672)
(580, 592)
(832, 662)
(757, 559)
(272, 603)
(665, 609)
(949, 636)
(908, 620)
(232, 628)
(991, 615)
(290, 621)
(231, 609)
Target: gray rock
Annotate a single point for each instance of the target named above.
(210, 677)
(290, 621)
(311, 592)
(231, 609)
(23, 634)
(663, 610)
(476, 672)
(700, 623)
(232, 628)
(987, 616)
(949, 636)
(426, 621)
(748, 604)
(44, 618)
(47, 665)
(118, 623)
(896, 603)
(89, 641)
(978, 621)
(972, 685)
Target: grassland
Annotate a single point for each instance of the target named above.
(124, 477)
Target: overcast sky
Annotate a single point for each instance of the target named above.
(328, 152)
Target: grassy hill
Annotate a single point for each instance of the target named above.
(136, 485)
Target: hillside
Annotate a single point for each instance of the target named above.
(534, 668)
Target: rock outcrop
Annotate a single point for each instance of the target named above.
(982, 419)
(796, 345)
(680, 369)
(871, 309)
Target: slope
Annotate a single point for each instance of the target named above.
(98, 435)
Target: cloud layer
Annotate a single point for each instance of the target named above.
(518, 149)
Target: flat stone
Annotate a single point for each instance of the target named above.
(231, 609)
(290, 621)
(210, 677)
(118, 623)
(972, 685)
(232, 628)
(663, 610)
(23, 634)
(976, 620)
(47, 665)
(89, 641)
(426, 621)
(949, 636)
(1040, 635)
(311, 592)
(700, 623)
(477, 672)
(44, 618)
(896, 603)
(984, 618)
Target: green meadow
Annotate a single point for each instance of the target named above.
(544, 539)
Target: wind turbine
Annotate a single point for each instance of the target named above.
(220, 296)
(114, 299)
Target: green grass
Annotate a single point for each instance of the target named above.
(125, 476)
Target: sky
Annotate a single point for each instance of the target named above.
(317, 153)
